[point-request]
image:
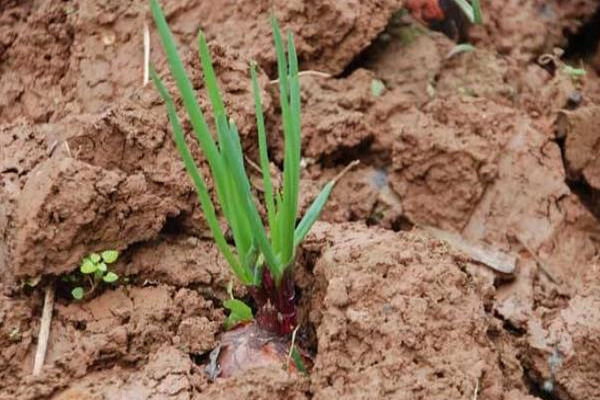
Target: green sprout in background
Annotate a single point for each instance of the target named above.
(93, 271)
(554, 59)
(377, 87)
(471, 10)
(261, 256)
(576, 74)
(460, 49)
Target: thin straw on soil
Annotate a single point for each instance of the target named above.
(42, 346)
(146, 54)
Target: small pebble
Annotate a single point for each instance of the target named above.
(548, 386)
(575, 99)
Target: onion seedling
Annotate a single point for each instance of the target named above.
(261, 257)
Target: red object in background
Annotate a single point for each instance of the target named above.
(425, 10)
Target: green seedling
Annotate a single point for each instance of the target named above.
(460, 48)
(554, 59)
(261, 256)
(93, 271)
(576, 74)
(295, 355)
(471, 10)
(377, 87)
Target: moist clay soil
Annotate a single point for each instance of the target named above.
(459, 260)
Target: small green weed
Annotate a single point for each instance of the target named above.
(377, 87)
(295, 355)
(92, 272)
(471, 10)
(575, 73)
(554, 59)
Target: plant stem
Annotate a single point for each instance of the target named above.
(276, 303)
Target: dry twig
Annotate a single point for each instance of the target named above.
(40, 354)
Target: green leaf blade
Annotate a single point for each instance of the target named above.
(186, 89)
(298, 362)
(239, 312)
(295, 144)
(210, 78)
(287, 212)
(477, 16)
(263, 151)
(247, 202)
(313, 213)
(201, 190)
(466, 8)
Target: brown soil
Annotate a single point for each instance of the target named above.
(488, 145)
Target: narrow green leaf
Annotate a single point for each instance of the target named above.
(263, 150)
(294, 83)
(226, 188)
(110, 256)
(251, 257)
(460, 48)
(187, 91)
(210, 78)
(88, 266)
(282, 68)
(275, 236)
(574, 72)
(231, 198)
(297, 357)
(466, 8)
(218, 169)
(77, 293)
(477, 17)
(312, 214)
(110, 277)
(237, 218)
(236, 167)
(285, 214)
(239, 312)
(201, 190)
